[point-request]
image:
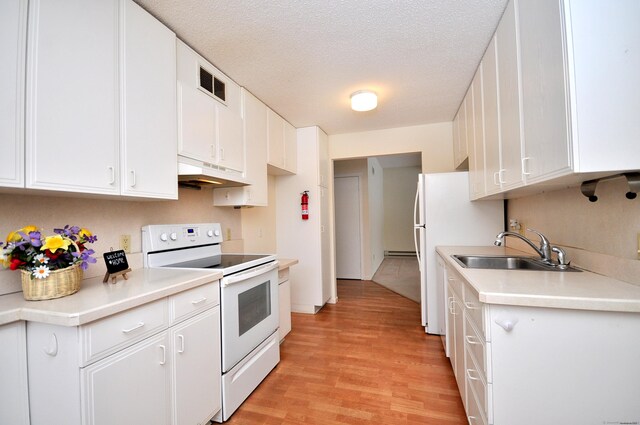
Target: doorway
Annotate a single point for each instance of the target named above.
(348, 224)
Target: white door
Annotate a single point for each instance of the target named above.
(348, 245)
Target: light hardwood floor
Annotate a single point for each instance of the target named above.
(364, 360)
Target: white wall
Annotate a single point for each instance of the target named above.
(376, 214)
(399, 194)
(433, 141)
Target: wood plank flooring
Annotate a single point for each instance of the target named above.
(364, 360)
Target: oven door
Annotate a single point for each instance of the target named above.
(249, 308)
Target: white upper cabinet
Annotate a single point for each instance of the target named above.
(210, 127)
(13, 38)
(476, 149)
(100, 109)
(510, 173)
(255, 139)
(149, 138)
(544, 107)
(566, 95)
(72, 103)
(282, 154)
(460, 148)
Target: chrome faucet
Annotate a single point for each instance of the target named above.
(544, 251)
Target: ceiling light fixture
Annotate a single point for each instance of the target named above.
(364, 100)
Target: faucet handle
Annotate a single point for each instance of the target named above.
(543, 238)
(562, 257)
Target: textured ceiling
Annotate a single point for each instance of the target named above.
(304, 58)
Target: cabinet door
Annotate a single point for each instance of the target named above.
(544, 102)
(509, 99)
(491, 124)
(284, 304)
(324, 164)
(196, 347)
(13, 38)
(275, 155)
(230, 141)
(476, 149)
(130, 387)
(72, 114)
(255, 137)
(290, 148)
(462, 133)
(149, 142)
(456, 139)
(458, 361)
(14, 394)
(196, 124)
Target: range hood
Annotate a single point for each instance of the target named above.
(200, 175)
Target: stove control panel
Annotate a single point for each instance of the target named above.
(161, 237)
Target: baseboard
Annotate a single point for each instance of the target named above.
(399, 253)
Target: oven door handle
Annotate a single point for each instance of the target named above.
(256, 271)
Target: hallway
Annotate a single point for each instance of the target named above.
(364, 360)
(401, 275)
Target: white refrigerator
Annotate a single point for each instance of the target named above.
(444, 215)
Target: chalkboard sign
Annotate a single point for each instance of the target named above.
(116, 262)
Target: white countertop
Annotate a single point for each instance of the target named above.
(572, 290)
(285, 263)
(96, 300)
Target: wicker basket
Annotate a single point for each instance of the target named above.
(59, 283)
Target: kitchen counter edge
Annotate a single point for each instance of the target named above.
(569, 290)
(96, 300)
(285, 263)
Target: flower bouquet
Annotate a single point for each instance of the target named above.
(51, 266)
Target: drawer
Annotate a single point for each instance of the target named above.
(474, 308)
(283, 275)
(191, 302)
(474, 413)
(476, 385)
(113, 333)
(454, 280)
(478, 348)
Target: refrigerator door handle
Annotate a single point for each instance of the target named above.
(417, 226)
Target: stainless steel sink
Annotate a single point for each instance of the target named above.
(507, 263)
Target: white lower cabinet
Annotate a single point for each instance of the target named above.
(14, 396)
(165, 369)
(284, 303)
(533, 365)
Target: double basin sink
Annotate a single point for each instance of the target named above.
(508, 263)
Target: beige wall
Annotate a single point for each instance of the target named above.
(600, 236)
(259, 224)
(108, 219)
(399, 194)
(434, 141)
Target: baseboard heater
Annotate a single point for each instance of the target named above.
(399, 253)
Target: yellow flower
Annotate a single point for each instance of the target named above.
(15, 237)
(53, 243)
(84, 233)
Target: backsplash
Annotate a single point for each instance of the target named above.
(108, 219)
(600, 237)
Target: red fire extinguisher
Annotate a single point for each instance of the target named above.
(304, 202)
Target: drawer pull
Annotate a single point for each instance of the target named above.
(164, 354)
(473, 378)
(52, 348)
(181, 349)
(201, 300)
(138, 326)
(472, 419)
(471, 306)
(472, 340)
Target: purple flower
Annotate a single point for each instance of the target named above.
(69, 231)
(35, 238)
(84, 258)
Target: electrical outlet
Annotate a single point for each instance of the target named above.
(522, 228)
(228, 233)
(125, 243)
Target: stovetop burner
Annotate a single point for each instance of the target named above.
(219, 262)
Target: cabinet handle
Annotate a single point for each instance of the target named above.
(181, 349)
(473, 378)
(213, 151)
(472, 418)
(52, 348)
(133, 178)
(451, 309)
(451, 279)
(138, 326)
(472, 340)
(221, 154)
(496, 181)
(201, 300)
(506, 324)
(112, 173)
(525, 161)
(500, 174)
(471, 306)
(164, 354)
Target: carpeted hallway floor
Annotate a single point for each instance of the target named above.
(401, 275)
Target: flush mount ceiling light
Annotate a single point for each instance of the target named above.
(363, 100)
